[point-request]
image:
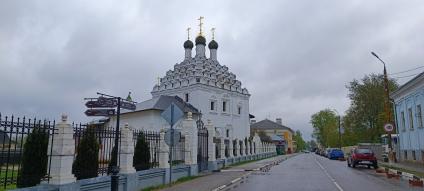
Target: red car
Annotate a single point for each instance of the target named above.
(362, 157)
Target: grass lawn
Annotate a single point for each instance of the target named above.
(9, 178)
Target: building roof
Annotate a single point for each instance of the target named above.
(407, 86)
(268, 124)
(161, 103)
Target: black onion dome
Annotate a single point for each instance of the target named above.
(188, 44)
(213, 45)
(200, 40)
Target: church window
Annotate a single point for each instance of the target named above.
(239, 110)
(213, 105)
(224, 106)
(186, 97)
(198, 80)
(228, 133)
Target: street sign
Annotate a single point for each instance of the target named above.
(127, 105)
(99, 112)
(388, 127)
(174, 112)
(177, 136)
(102, 102)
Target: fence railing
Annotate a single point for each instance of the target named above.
(153, 141)
(14, 132)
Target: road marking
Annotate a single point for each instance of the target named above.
(328, 175)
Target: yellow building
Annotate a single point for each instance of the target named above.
(276, 131)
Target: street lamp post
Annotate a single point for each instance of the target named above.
(386, 106)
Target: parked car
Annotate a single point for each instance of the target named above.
(335, 154)
(362, 157)
(327, 151)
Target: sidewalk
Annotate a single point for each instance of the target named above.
(413, 167)
(216, 179)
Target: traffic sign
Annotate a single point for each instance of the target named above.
(388, 127)
(99, 112)
(172, 114)
(177, 136)
(127, 105)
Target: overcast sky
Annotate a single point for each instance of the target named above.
(295, 57)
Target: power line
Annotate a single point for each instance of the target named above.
(407, 70)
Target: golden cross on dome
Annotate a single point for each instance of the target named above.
(188, 33)
(200, 25)
(213, 33)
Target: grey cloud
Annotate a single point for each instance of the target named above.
(295, 57)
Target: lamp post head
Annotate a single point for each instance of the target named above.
(374, 54)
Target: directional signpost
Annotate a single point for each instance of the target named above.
(100, 112)
(108, 103)
(171, 114)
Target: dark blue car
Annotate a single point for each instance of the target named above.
(335, 154)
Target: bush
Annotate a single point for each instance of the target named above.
(34, 158)
(141, 160)
(86, 164)
(112, 161)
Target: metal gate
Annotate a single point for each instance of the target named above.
(202, 145)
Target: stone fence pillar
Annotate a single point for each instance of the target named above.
(126, 151)
(163, 152)
(237, 146)
(222, 144)
(248, 147)
(190, 133)
(230, 148)
(212, 165)
(62, 153)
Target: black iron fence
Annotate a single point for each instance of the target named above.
(178, 152)
(16, 132)
(153, 141)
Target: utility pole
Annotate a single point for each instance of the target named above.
(387, 107)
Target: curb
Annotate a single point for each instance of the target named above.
(411, 178)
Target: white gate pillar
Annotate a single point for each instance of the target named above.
(62, 153)
(126, 151)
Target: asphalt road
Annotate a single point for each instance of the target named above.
(312, 172)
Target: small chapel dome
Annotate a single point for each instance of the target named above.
(213, 45)
(188, 44)
(200, 40)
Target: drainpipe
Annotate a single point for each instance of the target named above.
(397, 129)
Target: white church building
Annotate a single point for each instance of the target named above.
(202, 85)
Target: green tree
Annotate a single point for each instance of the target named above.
(141, 159)
(365, 117)
(325, 125)
(86, 164)
(300, 143)
(34, 158)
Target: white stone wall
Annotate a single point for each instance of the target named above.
(147, 120)
(200, 97)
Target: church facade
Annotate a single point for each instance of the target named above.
(203, 84)
(210, 87)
